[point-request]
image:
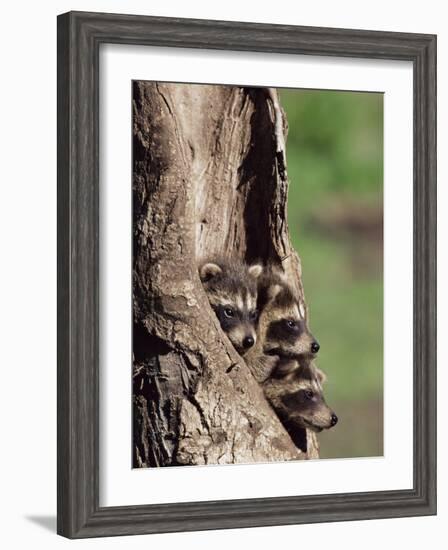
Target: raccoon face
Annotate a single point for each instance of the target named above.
(295, 392)
(238, 323)
(231, 288)
(286, 331)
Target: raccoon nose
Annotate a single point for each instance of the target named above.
(248, 342)
(334, 419)
(315, 347)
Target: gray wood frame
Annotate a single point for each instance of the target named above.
(79, 37)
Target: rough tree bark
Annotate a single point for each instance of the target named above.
(209, 178)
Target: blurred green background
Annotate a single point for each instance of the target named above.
(335, 216)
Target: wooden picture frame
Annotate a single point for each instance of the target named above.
(79, 38)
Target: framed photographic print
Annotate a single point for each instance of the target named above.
(246, 274)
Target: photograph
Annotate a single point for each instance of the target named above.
(246, 320)
(257, 274)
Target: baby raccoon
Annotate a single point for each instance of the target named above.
(283, 327)
(295, 393)
(231, 288)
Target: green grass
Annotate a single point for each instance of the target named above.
(335, 153)
(335, 140)
(347, 318)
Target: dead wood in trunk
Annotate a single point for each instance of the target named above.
(209, 178)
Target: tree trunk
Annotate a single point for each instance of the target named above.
(209, 178)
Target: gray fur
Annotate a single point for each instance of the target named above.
(286, 390)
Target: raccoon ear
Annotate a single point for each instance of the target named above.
(255, 270)
(320, 375)
(278, 272)
(285, 367)
(273, 291)
(208, 271)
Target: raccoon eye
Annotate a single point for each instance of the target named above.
(309, 394)
(291, 324)
(228, 312)
(253, 315)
